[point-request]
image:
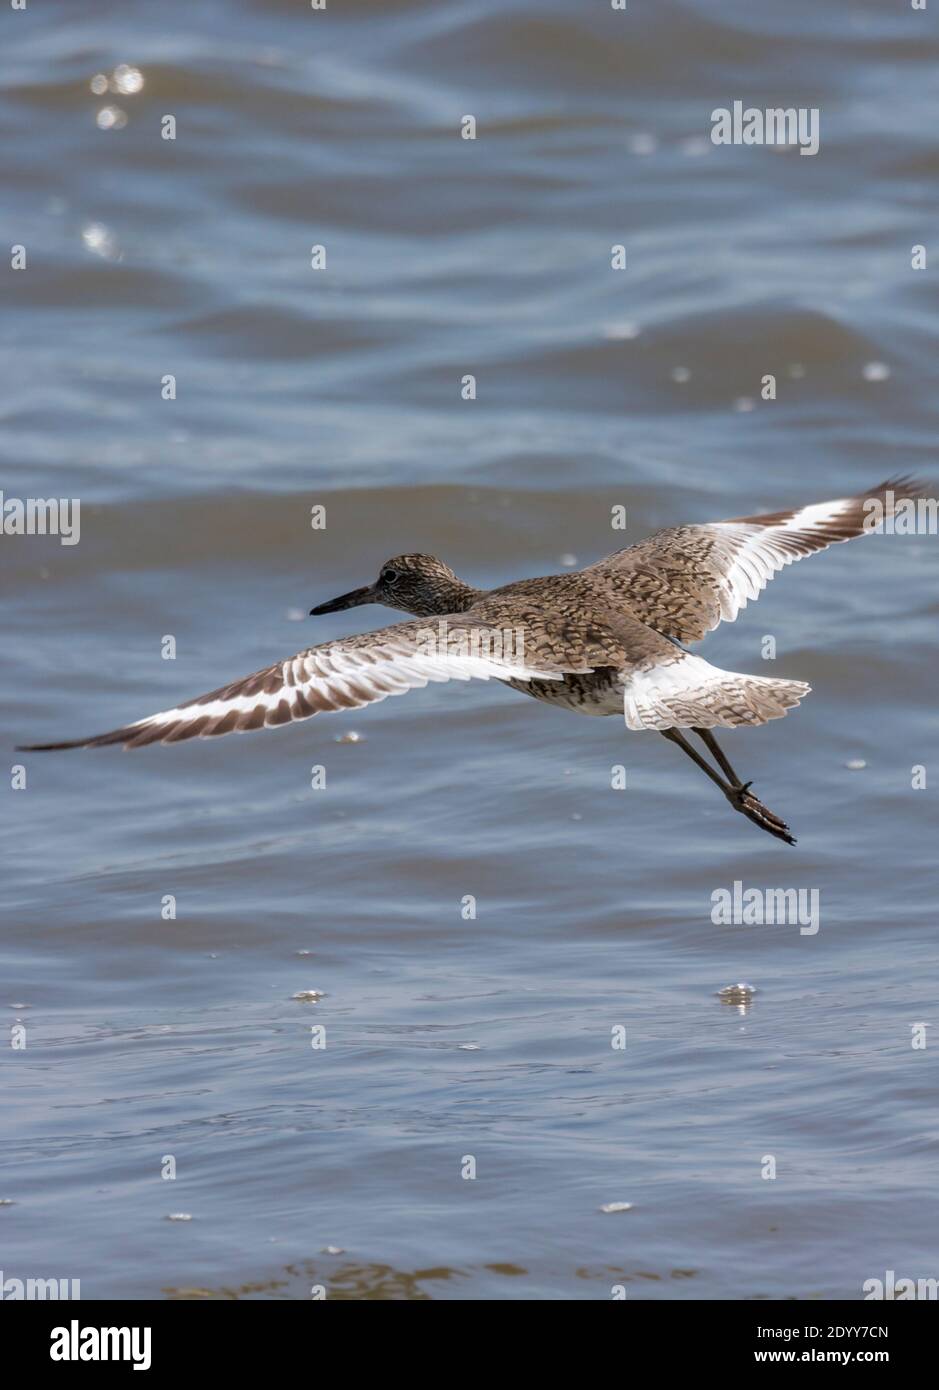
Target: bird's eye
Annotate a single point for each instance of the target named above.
(388, 576)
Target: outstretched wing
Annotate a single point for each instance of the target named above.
(685, 580)
(342, 675)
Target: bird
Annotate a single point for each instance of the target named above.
(608, 639)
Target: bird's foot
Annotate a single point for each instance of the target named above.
(748, 805)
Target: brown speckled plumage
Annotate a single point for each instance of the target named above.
(603, 640)
(677, 581)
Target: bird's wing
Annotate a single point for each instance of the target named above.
(683, 581)
(361, 670)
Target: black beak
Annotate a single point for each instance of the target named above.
(350, 600)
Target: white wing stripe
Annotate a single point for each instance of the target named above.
(765, 550)
(325, 678)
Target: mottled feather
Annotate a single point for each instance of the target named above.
(685, 580)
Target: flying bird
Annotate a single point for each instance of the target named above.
(608, 639)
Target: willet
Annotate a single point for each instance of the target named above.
(604, 640)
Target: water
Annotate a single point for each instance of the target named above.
(149, 1037)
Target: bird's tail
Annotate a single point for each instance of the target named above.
(692, 694)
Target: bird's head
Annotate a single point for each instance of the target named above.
(418, 584)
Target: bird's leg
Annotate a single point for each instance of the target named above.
(710, 742)
(741, 789)
(675, 737)
(738, 793)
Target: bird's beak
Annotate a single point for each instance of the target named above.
(350, 600)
